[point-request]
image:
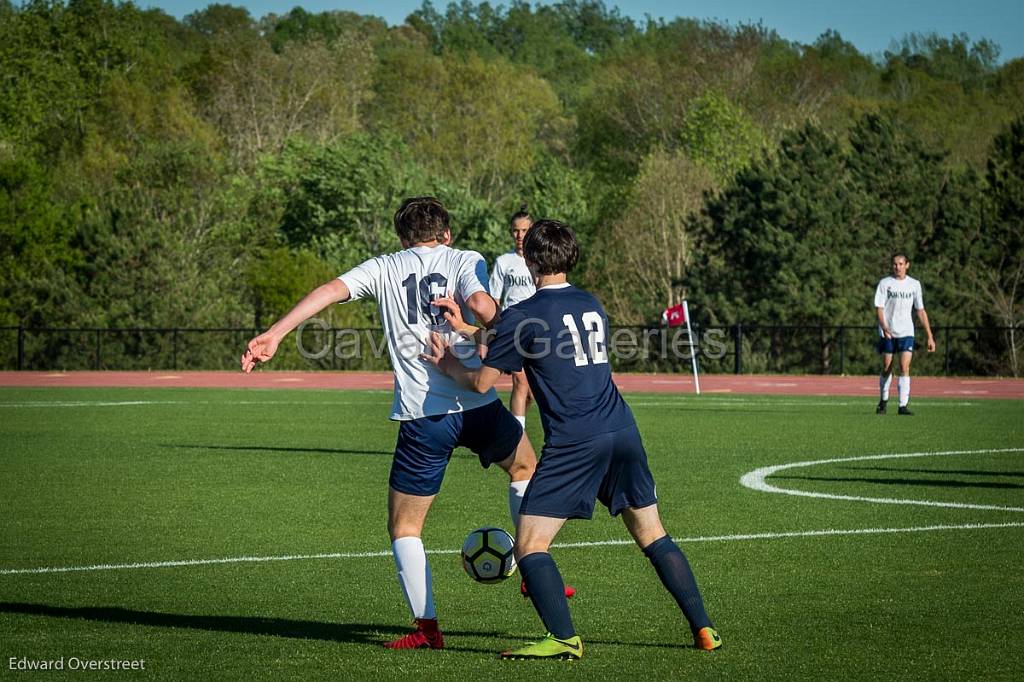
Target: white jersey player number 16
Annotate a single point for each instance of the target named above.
(420, 297)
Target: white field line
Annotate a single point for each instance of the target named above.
(668, 402)
(693, 400)
(568, 545)
(755, 480)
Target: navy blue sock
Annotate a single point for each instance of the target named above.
(674, 571)
(547, 592)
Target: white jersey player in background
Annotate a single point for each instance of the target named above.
(511, 282)
(436, 415)
(895, 298)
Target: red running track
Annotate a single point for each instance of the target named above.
(865, 386)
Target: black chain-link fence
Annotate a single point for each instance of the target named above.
(739, 349)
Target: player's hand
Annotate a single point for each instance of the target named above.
(452, 313)
(931, 344)
(887, 333)
(436, 348)
(259, 349)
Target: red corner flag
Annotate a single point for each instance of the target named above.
(675, 316)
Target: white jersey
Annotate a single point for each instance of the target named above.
(511, 281)
(404, 284)
(899, 298)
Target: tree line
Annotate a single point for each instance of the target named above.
(209, 171)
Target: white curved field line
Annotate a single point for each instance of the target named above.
(568, 545)
(755, 480)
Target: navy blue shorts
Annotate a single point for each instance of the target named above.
(425, 445)
(611, 467)
(903, 344)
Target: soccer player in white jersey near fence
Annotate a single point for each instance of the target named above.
(436, 414)
(511, 282)
(895, 299)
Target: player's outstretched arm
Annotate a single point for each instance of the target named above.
(923, 316)
(263, 347)
(439, 354)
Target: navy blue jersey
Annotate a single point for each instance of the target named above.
(560, 337)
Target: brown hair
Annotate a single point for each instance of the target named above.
(551, 246)
(421, 219)
(519, 215)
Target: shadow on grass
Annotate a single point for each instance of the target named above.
(267, 448)
(927, 482)
(351, 633)
(958, 472)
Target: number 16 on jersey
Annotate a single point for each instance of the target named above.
(419, 297)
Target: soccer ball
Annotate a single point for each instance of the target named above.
(487, 555)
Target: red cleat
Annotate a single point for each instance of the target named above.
(425, 636)
(570, 591)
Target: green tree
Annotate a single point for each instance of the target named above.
(258, 98)
(476, 122)
(56, 60)
(643, 91)
(339, 198)
(999, 280)
(899, 180)
(778, 244)
(719, 135)
(651, 247)
(298, 25)
(36, 247)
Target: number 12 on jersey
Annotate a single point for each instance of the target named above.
(593, 324)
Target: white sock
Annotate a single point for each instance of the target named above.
(884, 381)
(904, 387)
(414, 576)
(521, 419)
(515, 498)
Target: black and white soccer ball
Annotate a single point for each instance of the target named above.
(487, 555)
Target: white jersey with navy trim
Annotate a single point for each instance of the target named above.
(404, 284)
(511, 281)
(899, 298)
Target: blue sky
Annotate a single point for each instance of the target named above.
(871, 25)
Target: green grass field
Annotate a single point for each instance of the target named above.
(124, 477)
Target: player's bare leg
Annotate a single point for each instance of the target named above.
(519, 466)
(884, 381)
(904, 382)
(645, 526)
(547, 591)
(406, 516)
(520, 401)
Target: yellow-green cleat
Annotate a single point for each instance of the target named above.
(707, 639)
(549, 647)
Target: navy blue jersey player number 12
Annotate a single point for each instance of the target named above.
(592, 448)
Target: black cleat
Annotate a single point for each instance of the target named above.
(881, 407)
(905, 410)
